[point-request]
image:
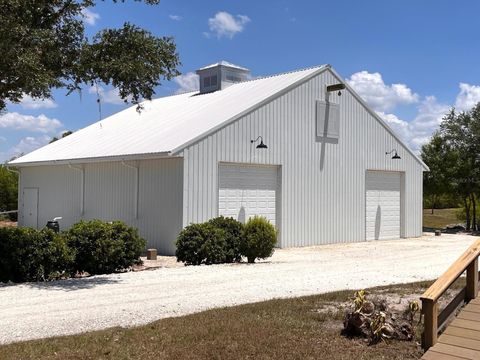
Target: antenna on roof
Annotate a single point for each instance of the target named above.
(98, 102)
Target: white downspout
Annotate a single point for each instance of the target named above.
(135, 199)
(82, 187)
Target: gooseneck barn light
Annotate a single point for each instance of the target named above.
(395, 154)
(261, 145)
(336, 87)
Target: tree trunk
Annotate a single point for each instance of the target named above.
(433, 203)
(467, 213)
(474, 210)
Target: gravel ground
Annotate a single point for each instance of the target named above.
(37, 310)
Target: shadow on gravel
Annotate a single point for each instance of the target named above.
(455, 229)
(68, 284)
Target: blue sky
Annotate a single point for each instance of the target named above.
(411, 60)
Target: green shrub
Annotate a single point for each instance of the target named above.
(201, 244)
(233, 233)
(258, 239)
(8, 191)
(32, 255)
(102, 248)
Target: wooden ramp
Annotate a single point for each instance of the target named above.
(460, 338)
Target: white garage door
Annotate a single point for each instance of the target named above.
(246, 190)
(382, 205)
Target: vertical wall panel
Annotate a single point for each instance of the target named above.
(161, 202)
(58, 193)
(323, 181)
(110, 195)
(109, 192)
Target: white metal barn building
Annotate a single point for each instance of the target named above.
(322, 175)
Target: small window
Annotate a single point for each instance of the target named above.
(206, 81)
(328, 119)
(233, 78)
(213, 80)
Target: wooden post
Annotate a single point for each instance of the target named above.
(430, 313)
(152, 254)
(472, 280)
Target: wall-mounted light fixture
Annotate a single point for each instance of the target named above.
(336, 87)
(261, 145)
(395, 154)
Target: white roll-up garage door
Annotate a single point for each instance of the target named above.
(246, 190)
(383, 202)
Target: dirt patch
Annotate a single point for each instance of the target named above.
(397, 299)
(161, 262)
(393, 301)
(6, 223)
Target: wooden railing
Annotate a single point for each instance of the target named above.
(434, 321)
(8, 212)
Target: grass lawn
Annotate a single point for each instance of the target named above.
(440, 218)
(299, 328)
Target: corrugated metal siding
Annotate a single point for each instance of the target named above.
(110, 195)
(323, 181)
(160, 200)
(109, 192)
(58, 195)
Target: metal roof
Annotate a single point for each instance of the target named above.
(167, 124)
(224, 63)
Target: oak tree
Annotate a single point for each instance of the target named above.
(43, 46)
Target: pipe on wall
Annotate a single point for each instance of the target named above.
(82, 187)
(136, 185)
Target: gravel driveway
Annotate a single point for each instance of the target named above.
(37, 310)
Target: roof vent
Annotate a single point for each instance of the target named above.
(220, 76)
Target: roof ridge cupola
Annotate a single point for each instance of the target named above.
(221, 75)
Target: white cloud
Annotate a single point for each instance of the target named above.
(175, 17)
(187, 82)
(111, 96)
(28, 144)
(224, 24)
(401, 127)
(30, 103)
(90, 17)
(468, 97)
(383, 98)
(380, 96)
(40, 123)
(418, 131)
(24, 146)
